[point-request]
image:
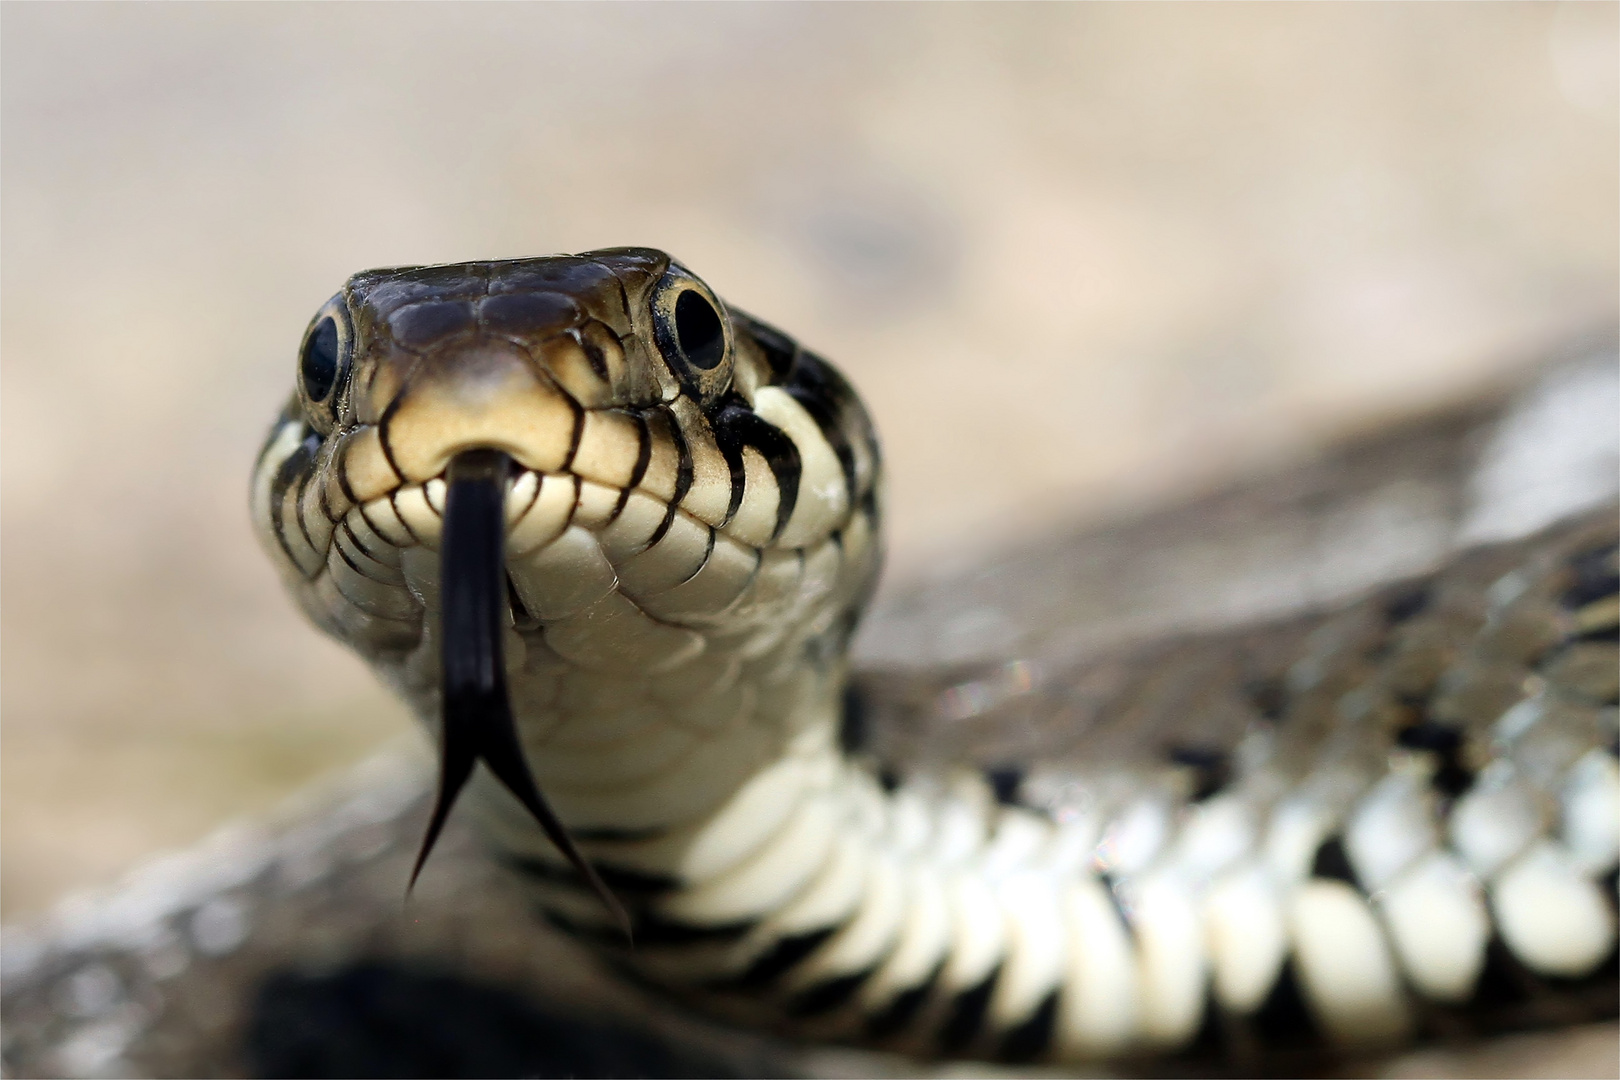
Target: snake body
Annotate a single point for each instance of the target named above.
(1383, 822)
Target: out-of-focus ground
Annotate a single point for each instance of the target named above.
(1079, 259)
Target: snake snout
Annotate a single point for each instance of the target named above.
(487, 396)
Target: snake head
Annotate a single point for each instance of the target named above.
(667, 489)
(632, 402)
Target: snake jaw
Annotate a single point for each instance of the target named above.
(478, 722)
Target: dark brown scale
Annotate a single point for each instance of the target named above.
(420, 325)
(529, 314)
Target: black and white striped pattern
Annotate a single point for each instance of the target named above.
(1420, 810)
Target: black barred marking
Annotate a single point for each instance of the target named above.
(341, 473)
(1602, 634)
(708, 551)
(853, 727)
(670, 510)
(737, 426)
(654, 930)
(1595, 576)
(1210, 767)
(297, 497)
(824, 394)
(393, 500)
(1213, 1037)
(683, 462)
(1444, 741)
(617, 878)
(594, 355)
(328, 467)
(1285, 1020)
(1332, 864)
(365, 516)
(1004, 781)
(291, 469)
(888, 779)
(904, 1008)
(827, 995)
(779, 959)
(967, 1012)
(1430, 735)
(358, 556)
(643, 453)
(573, 439)
(348, 559)
(1407, 602)
(1503, 980)
(869, 506)
(1033, 1038)
(779, 349)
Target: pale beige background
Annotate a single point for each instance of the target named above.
(1078, 257)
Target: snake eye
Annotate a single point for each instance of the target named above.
(698, 331)
(323, 361)
(693, 332)
(319, 366)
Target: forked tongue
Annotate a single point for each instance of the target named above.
(478, 724)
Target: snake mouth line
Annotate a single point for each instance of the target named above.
(478, 721)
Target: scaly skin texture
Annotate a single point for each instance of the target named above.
(1345, 846)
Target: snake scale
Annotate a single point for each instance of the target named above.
(610, 538)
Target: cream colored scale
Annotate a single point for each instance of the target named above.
(690, 533)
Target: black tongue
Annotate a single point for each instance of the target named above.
(478, 722)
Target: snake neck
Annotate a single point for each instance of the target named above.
(1346, 885)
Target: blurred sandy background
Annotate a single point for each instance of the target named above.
(1079, 258)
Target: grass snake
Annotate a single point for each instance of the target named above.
(610, 537)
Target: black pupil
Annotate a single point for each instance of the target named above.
(698, 331)
(320, 363)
